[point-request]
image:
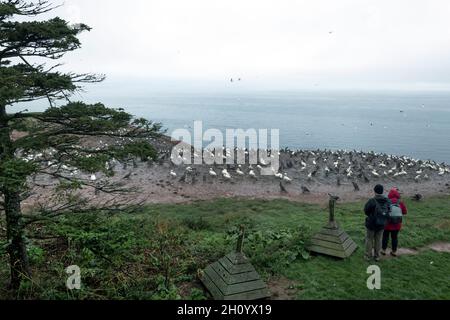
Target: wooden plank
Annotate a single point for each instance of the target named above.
(327, 244)
(227, 289)
(232, 269)
(236, 278)
(328, 238)
(251, 295)
(351, 249)
(332, 238)
(328, 251)
(332, 232)
(246, 296)
(211, 287)
(344, 237)
(347, 244)
(333, 245)
(245, 287)
(217, 280)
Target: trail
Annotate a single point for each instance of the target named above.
(441, 247)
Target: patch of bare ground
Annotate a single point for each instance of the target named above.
(442, 247)
(282, 289)
(186, 289)
(444, 225)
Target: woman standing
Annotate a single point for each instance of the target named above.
(394, 225)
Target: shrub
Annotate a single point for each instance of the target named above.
(273, 250)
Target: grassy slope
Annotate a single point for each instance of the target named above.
(121, 256)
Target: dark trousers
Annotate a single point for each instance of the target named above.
(394, 236)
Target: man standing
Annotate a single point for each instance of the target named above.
(377, 211)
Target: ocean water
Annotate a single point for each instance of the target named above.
(401, 123)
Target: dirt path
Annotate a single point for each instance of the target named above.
(442, 247)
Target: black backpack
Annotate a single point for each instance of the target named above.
(382, 216)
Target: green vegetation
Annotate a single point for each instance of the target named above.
(51, 143)
(156, 253)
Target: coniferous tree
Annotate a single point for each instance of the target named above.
(51, 142)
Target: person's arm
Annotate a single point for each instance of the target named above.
(404, 209)
(389, 204)
(368, 209)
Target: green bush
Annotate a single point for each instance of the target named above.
(36, 255)
(196, 223)
(273, 250)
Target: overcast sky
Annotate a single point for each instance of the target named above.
(267, 43)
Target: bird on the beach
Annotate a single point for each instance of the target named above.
(225, 174)
(349, 174)
(127, 176)
(305, 190)
(93, 177)
(403, 173)
(252, 174)
(212, 173)
(314, 173)
(277, 174)
(239, 171)
(366, 180)
(282, 188)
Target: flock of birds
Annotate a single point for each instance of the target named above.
(301, 166)
(322, 166)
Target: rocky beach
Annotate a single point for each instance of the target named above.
(304, 175)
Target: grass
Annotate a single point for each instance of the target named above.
(156, 253)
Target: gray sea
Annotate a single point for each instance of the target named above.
(401, 123)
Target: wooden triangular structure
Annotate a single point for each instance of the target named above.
(332, 240)
(234, 278)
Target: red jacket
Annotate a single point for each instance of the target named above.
(394, 196)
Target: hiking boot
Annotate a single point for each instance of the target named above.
(383, 252)
(394, 254)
